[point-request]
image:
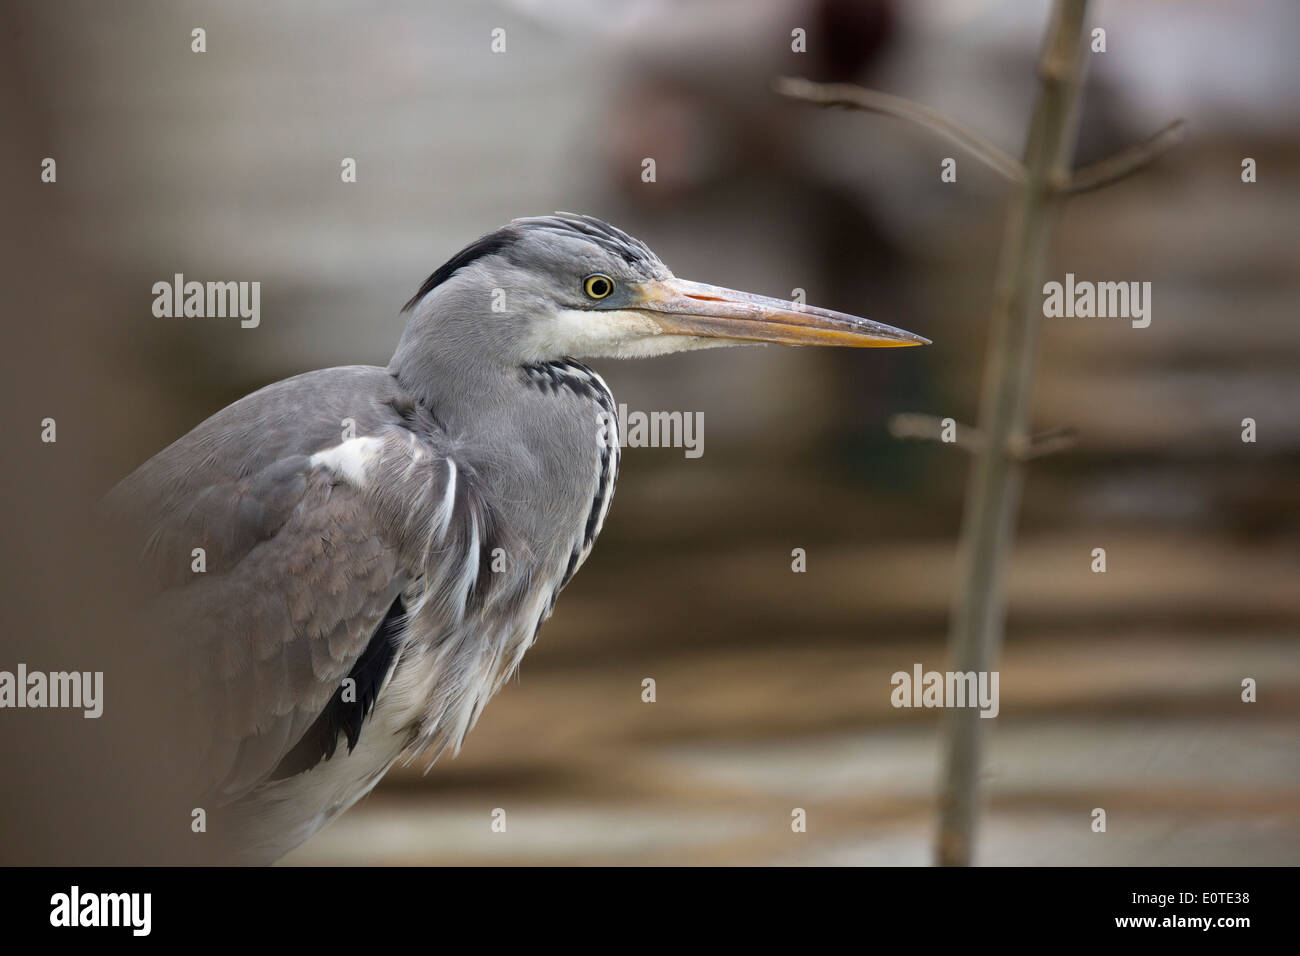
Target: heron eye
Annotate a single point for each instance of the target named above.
(598, 286)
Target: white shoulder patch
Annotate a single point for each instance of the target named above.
(351, 459)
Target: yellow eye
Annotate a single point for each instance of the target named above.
(598, 286)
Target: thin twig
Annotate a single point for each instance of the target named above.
(856, 97)
(1128, 162)
(1046, 442)
(920, 427)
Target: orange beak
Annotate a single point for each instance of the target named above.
(682, 307)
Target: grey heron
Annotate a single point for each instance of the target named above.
(382, 545)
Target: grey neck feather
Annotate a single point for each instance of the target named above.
(454, 360)
(522, 439)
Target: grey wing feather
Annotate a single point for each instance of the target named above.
(299, 574)
(302, 566)
(274, 624)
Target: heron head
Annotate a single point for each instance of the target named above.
(560, 286)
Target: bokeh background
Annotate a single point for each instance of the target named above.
(1119, 690)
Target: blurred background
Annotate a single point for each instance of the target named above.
(1119, 690)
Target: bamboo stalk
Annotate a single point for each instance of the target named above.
(993, 489)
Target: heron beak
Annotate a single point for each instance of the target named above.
(682, 307)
